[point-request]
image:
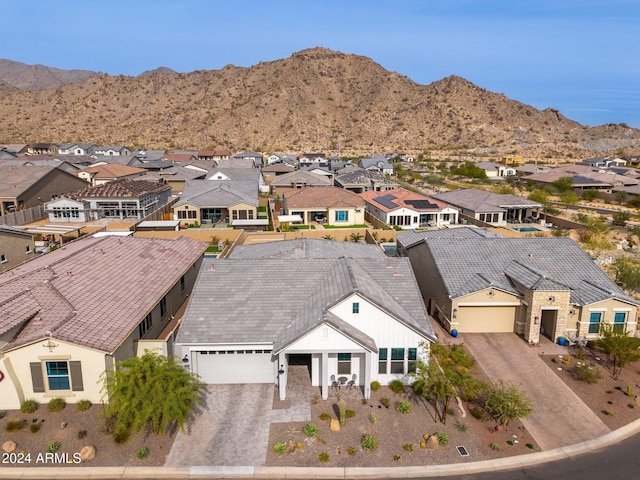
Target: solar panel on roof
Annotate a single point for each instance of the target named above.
(421, 204)
(387, 200)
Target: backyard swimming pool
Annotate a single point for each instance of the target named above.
(526, 229)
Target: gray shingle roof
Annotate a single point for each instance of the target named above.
(409, 238)
(277, 301)
(213, 193)
(467, 265)
(306, 248)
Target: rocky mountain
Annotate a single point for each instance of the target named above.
(39, 77)
(315, 100)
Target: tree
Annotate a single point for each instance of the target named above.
(355, 237)
(590, 194)
(620, 196)
(621, 218)
(540, 196)
(627, 272)
(506, 402)
(569, 198)
(563, 184)
(619, 345)
(152, 391)
(469, 169)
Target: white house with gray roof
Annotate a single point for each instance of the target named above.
(530, 286)
(347, 319)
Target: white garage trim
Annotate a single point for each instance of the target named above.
(233, 366)
(489, 304)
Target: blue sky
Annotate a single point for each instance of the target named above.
(579, 56)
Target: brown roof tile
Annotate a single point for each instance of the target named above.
(322, 197)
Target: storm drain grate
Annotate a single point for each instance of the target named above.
(462, 451)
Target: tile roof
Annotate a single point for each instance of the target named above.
(17, 179)
(483, 201)
(15, 230)
(322, 197)
(236, 163)
(467, 265)
(239, 174)
(120, 189)
(409, 238)
(113, 170)
(354, 175)
(391, 200)
(303, 290)
(218, 193)
(306, 248)
(64, 292)
(301, 176)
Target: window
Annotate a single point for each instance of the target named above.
(145, 325)
(186, 214)
(496, 217)
(618, 321)
(355, 307)
(342, 216)
(382, 360)
(182, 283)
(163, 306)
(412, 357)
(3, 258)
(58, 376)
(28, 249)
(397, 360)
(594, 322)
(344, 364)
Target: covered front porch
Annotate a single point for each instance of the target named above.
(333, 372)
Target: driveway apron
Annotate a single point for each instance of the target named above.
(560, 417)
(233, 430)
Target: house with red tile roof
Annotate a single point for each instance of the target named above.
(69, 315)
(332, 205)
(407, 209)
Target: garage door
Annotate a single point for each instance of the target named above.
(240, 366)
(486, 319)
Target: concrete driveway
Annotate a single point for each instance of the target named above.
(560, 417)
(234, 429)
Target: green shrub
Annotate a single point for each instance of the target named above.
(385, 402)
(530, 446)
(325, 416)
(477, 413)
(342, 409)
(122, 435)
(397, 458)
(279, 448)
(351, 450)
(56, 404)
(310, 430)
(83, 405)
(29, 406)
(375, 386)
(462, 427)
(396, 386)
(350, 413)
(53, 447)
(588, 373)
(403, 406)
(13, 426)
(369, 442)
(323, 457)
(34, 427)
(373, 418)
(82, 434)
(408, 447)
(507, 402)
(443, 439)
(142, 453)
(495, 446)
(365, 401)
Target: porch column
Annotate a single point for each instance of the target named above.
(282, 377)
(324, 371)
(367, 374)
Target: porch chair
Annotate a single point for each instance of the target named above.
(334, 383)
(352, 383)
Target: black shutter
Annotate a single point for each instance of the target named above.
(36, 377)
(76, 376)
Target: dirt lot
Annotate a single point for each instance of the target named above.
(108, 453)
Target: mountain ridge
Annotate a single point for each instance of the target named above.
(316, 99)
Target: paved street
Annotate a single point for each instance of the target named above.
(560, 417)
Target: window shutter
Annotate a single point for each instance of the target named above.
(76, 376)
(36, 377)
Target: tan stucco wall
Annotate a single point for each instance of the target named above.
(14, 246)
(580, 320)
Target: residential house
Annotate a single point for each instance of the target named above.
(496, 170)
(112, 150)
(15, 148)
(210, 201)
(180, 157)
(492, 208)
(588, 178)
(24, 187)
(407, 209)
(273, 170)
(332, 205)
(118, 199)
(41, 161)
(237, 163)
(206, 155)
(257, 158)
(531, 286)
(60, 331)
(603, 162)
(358, 180)
(377, 163)
(313, 160)
(221, 154)
(361, 318)
(530, 169)
(43, 149)
(109, 172)
(16, 247)
(87, 149)
(296, 180)
(177, 175)
(305, 248)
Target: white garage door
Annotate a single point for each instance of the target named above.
(243, 366)
(486, 319)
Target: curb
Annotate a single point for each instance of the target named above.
(220, 472)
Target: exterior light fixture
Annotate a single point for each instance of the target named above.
(536, 320)
(455, 313)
